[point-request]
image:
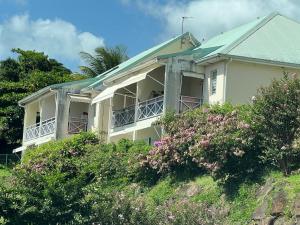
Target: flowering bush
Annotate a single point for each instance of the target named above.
(276, 116)
(213, 139)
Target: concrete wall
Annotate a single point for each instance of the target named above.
(243, 79)
(30, 113)
(148, 134)
(77, 109)
(191, 87)
(48, 105)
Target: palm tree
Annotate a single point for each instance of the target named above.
(104, 59)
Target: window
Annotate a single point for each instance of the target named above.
(213, 82)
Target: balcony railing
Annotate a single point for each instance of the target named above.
(77, 125)
(188, 103)
(40, 129)
(123, 117)
(150, 108)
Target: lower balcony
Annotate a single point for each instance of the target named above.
(77, 125)
(189, 103)
(41, 129)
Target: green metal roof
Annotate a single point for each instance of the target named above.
(220, 43)
(69, 85)
(130, 63)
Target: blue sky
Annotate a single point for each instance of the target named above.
(63, 28)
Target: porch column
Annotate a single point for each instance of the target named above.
(172, 85)
(61, 114)
(41, 115)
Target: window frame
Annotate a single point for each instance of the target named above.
(213, 82)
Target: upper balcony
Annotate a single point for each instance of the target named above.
(146, 109)
(41, 129)
(41, 124)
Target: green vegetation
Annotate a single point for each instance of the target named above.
(4, 172)
(104, 59)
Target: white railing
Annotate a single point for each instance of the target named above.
(40, 129)
(188, 103)
(150, 108)
(123, 117)
(77, 125)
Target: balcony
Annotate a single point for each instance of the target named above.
(188, 103)
(150, 108)
(40, 129)
(146, 109)
(77, 125)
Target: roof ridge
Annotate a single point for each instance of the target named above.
(249, 33)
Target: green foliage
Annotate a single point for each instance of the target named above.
(19, 78)
(103, 60)
(59, 182)
(276, 116)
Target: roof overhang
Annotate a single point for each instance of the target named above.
(110, 91)
(221, 57)
(35, 96)
(79, 98)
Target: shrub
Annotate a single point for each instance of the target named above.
(276, 114)
(214, 138)
(55, 181)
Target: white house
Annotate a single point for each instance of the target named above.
(177, 75)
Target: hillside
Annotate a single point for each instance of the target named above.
(220, 164)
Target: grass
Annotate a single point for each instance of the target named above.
(4, 172)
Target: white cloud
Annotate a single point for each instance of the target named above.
(57, 38)
(211, 17)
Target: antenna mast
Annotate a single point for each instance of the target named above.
(182, 21)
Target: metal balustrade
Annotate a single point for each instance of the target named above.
(150, 108)
(77, 125)
(123, 117)
(188, 103)
(40, 129)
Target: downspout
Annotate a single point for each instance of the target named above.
(225, 79)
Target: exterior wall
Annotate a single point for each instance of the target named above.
(243, 79)
(77, 109)
(104, 118)
(62, 114)
(218, 97)
(48, 106)
(191, 87)
(148, 134)
(30, 113)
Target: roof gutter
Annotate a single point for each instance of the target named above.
(29, 98)
(137, 68)
(250, 60)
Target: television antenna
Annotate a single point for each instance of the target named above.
(182, 21)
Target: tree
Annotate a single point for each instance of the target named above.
(277, 118)
(19, 78)
(103, 60)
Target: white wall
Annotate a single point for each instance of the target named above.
(148, 133)
(218, 97)
(48, 106)
(243, 79)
